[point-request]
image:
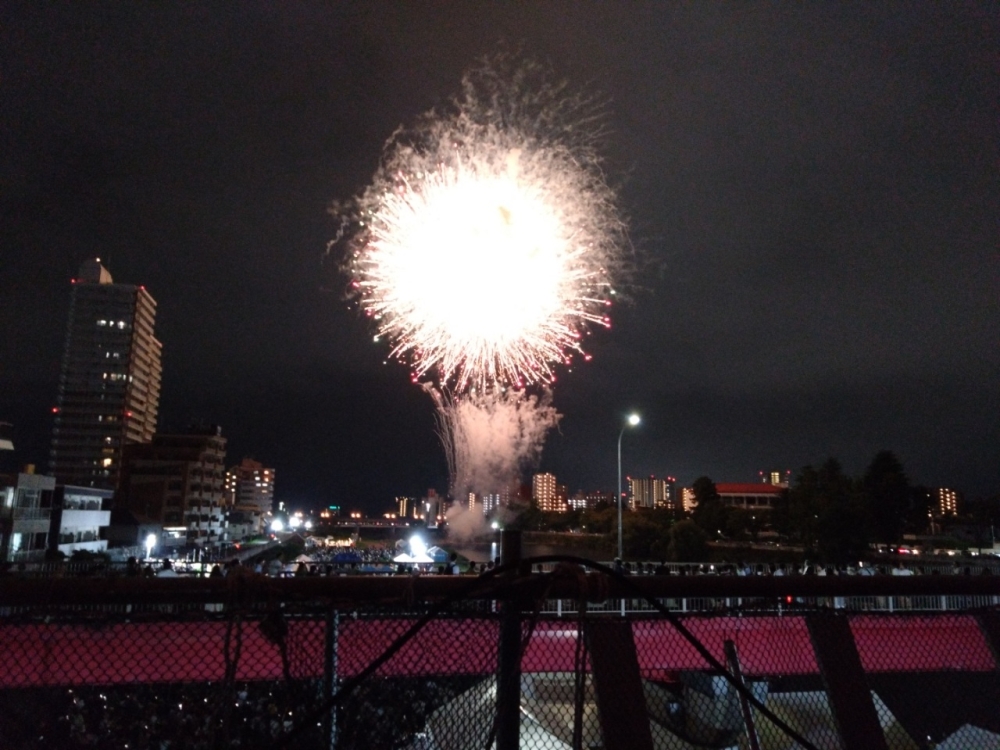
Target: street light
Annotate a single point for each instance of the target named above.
(632, 421)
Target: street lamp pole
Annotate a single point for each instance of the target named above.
(632, 421)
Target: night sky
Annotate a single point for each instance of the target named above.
(812, 189)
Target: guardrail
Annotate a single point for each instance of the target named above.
(447, 661)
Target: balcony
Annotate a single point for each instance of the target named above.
(26, 514)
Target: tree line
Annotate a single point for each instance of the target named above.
(832, 516)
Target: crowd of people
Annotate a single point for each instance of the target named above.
(805, 568)
(159, 717)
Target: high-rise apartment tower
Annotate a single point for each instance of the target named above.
(109, 385)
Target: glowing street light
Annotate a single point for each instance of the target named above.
(150, 543)
(632, 421)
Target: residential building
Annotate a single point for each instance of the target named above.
(80, 518)
(178, 482)
(650, 492)
(25, 515)
(250, 494)
(600, 496)
(545, 494)
(408, 507)
(492, 501)
(945, 501)
(578, 501)
(688, 500)
(109, 383)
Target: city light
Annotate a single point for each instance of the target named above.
(418, 547)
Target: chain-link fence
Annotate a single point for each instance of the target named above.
(507, 660)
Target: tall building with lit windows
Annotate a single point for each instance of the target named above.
(650, 492)
(946, 501)
(545, 493)
(109, 384)
(250, 494)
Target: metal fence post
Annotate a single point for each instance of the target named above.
(509, 656)
(330, 679)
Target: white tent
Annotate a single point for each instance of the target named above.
(967, 736)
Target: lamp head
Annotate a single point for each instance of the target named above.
(633, 419)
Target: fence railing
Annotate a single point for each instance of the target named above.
(510, 659)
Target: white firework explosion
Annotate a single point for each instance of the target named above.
(489, 242)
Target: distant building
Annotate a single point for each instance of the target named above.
(578, 501)
(80, 518)
(688, 500)
(178, 482)
(945, 501)
(25, 515)
(777, 478)
(545, 493)
(109, 384)
(562, 497)
(650, 492)
(37, 515)
(492, 501)
(250, 494)
(599, 496)
(750, 496)
(408, 507)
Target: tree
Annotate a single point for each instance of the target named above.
(709, 512)
(742, 523)
(825, 510)
(688, 543)
(888, 495)
(599, 520)
(644, 537)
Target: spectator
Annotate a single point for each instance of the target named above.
(132, 568)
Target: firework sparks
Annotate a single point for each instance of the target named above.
(488, 242)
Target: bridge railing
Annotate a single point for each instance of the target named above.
(513, 659)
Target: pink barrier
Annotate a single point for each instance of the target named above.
(52, 654)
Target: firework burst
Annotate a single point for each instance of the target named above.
(488, 242)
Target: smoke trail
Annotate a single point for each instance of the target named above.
(489, 440)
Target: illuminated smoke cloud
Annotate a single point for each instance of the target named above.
(489, 441)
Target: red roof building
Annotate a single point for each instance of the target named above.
(752, 496)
